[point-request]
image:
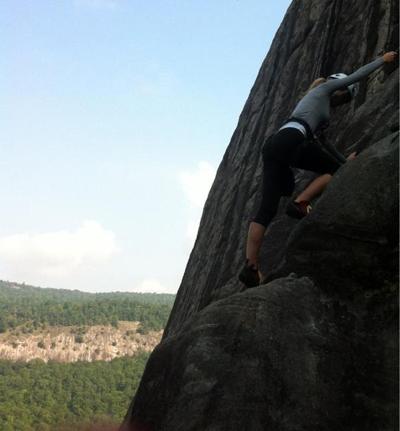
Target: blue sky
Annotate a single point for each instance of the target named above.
(114, 116)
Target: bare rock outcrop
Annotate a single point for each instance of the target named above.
(71, 344)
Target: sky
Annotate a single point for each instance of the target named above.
(114, 117)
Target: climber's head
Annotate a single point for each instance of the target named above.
(339, 97)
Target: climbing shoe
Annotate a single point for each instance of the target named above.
(249, 275)
(298, 209)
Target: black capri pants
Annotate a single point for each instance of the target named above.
(288, 148)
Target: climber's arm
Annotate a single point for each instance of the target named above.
(338, 84)
(333, 152)
(351, 156)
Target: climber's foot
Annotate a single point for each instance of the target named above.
(298, 209)
(250, 275)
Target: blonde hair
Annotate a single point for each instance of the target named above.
(315, 83)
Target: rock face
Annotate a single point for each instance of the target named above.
(315, 348)
(72, 344)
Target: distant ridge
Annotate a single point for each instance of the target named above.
(27, 288)
(30, 307)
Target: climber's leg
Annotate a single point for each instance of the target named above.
(277, 181)
(315, 159)
(275, 184)
(300, 207)
(255, 238)
(250, 275)
(314, 189)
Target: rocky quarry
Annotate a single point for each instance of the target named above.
(316, 346)
(74, 343)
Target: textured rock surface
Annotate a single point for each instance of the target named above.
(316, 348)
(97, 343)
(315, 39)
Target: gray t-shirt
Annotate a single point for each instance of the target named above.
(314, 107)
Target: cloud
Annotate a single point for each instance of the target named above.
(196, 184)
(56, 254)
(151, 285)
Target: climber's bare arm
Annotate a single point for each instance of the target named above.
(352, 156)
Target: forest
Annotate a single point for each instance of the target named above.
(33, 307)
(39, 396)
(36, 396)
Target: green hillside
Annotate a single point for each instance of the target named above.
(39, 396)
(34, 306)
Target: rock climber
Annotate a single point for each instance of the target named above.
(294, 145)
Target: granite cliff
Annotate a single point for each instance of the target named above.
(316, 347)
